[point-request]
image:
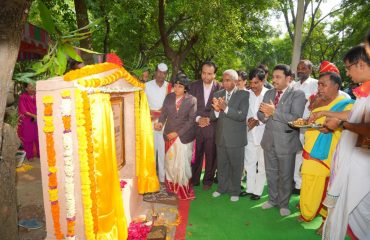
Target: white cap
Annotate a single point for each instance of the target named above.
(162, 67)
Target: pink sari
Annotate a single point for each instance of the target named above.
(27, 127)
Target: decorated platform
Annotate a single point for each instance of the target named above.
(96, 151)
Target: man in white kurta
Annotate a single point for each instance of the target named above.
(309, 86)
(253, 157)
(348, 196)
(156, 91)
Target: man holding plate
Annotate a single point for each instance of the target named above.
(319, 147)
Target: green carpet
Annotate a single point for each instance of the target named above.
(218, 218)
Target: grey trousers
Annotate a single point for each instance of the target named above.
(279, 173)
(230, 165)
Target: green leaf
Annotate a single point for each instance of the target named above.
(24, 77)
(62, 61)
(87, 50)
(71, 52)
(40, 68)
(94, 23)
(46, 18)
(35, 67)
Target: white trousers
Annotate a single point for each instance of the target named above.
(298, 164)
(359, 219)
(254, 165)
(159, 150)
(297, 170)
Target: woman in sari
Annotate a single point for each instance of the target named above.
(178, 116)
(319, 148)
(27, 127)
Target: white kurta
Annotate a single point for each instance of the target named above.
(309, 87)
(348, 194)
(156, 96)
(253, 158)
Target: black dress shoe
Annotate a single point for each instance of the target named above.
(296, 191)
(244, 194)
(255, 197)
(215, 180)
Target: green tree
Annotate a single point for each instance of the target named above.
(13, 16)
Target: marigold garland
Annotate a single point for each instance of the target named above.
(90, 157)
(68, 164)
(50, 151)
(89, 70)
(79, 74)
(84, 167)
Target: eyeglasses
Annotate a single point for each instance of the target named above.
(349, 66)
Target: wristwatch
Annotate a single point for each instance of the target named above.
(341, 124)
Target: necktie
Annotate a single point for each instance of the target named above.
(277, 97)
(228, 97)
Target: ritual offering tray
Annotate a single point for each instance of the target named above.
(303, 123)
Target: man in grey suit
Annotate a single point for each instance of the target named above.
(280, 143)
(230, 111)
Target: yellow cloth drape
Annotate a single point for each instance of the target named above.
(111, 219)
(145, 157)
(315, 172)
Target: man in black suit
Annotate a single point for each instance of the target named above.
(203, 90)
(230, 111)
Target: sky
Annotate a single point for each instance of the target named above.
(325, 7)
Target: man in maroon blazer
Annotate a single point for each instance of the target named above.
(203, 90)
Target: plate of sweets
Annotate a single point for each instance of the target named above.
(303, 123)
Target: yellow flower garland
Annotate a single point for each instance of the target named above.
(90, 157)
(84, 167)
(99, 82)
(51, 159)
(89, 70)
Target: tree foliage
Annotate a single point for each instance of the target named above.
(234, 33)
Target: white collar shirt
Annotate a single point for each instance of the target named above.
(155, 94)
(207, 88)
(309, 86)
(255, 135)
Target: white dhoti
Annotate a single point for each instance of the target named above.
(255, 168)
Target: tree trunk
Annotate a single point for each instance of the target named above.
(82, 21)
(298, 36)
(13, 17)
(8, 200)
(104, 12)
(176, 57)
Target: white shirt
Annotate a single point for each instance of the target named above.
(227, 107)
(207, 92)
(155, 94)
(255, 135)
(309, 86)
(207, 88)
(344, 94)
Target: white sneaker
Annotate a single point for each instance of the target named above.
(216, 194)
(267, 205)
(234, 198)
(284, 212)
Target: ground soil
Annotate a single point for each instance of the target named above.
(30, 201)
